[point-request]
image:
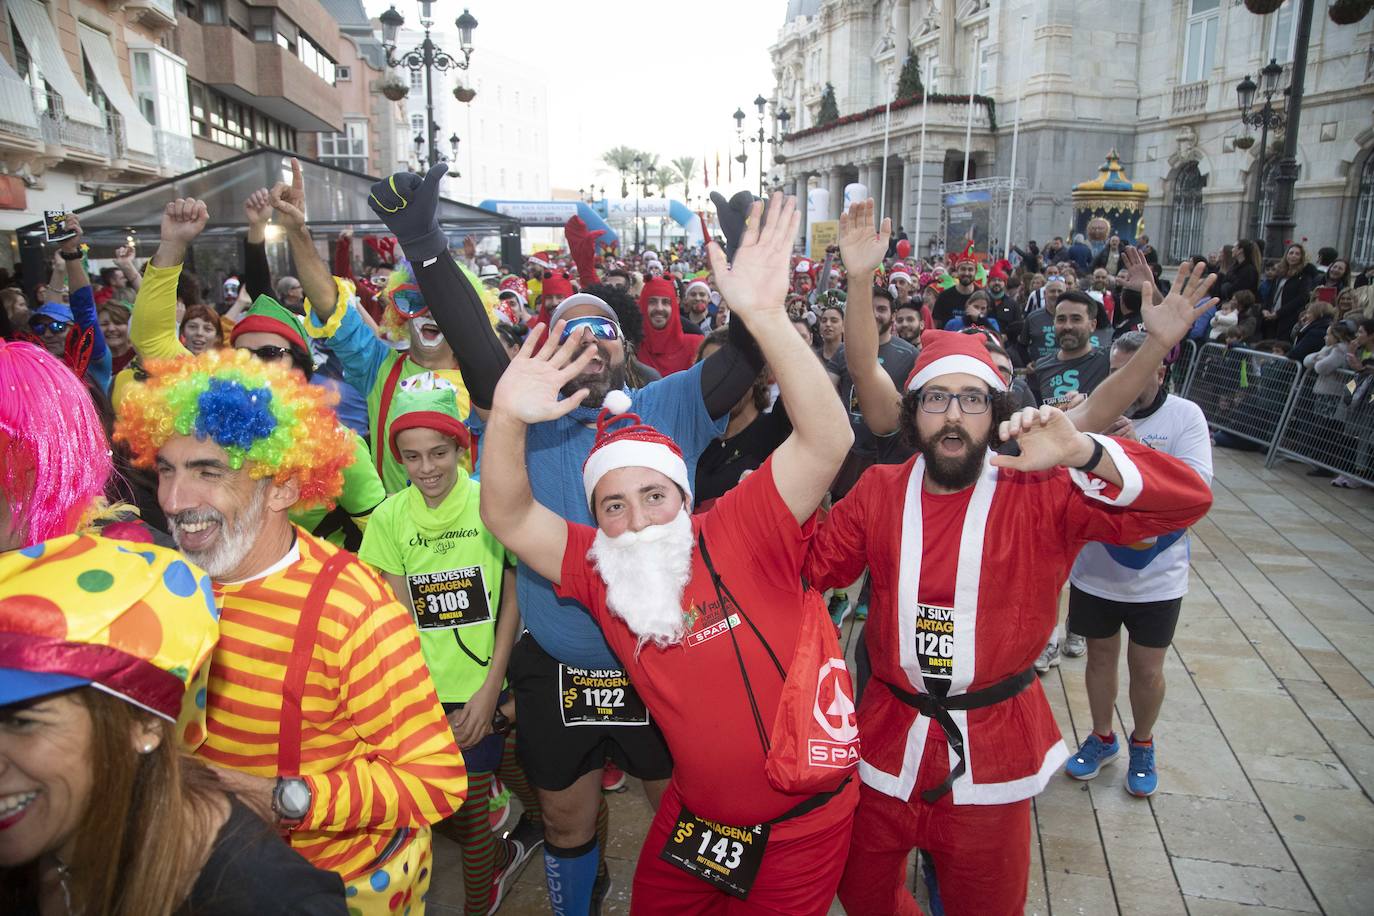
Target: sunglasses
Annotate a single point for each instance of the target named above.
(1054, 278)
(601, 328)
(269, 353)
(409, 301)
(45, 327)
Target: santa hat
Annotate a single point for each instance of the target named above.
(556, 285)
(899, 270)
(517, 287)
(540, 260)
(384, 248)
(949, 352)
(803, 267)
(997, 273)
(702, 283)
(631, 444)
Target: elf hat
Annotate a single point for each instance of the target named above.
(268, 316)
(966, 255)
(949, 352)
(632, 444)
(427, 401)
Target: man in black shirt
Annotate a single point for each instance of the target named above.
(1075, 368)
(951, 302)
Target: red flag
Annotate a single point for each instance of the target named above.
(706, 172)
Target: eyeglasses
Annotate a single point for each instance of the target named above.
(269, 353)
(409, 301)
(971, 402)
(53, 326)
(1054, 278)
(601, 328)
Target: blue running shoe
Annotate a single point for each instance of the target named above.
(1143, 779)
(861, 612)
(1091, 756)
(838, 607)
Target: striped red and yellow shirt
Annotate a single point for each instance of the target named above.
(375, 747)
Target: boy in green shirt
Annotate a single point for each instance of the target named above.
(429, 542)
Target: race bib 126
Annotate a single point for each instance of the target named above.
(935, 640)
(448, 599)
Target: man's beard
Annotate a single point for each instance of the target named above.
(884, 327)
(909, 332)
(1069, 341)
(645, 573)
(597, 383)
(226, 553)
(949, 472)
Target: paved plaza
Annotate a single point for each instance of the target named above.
(1266, 742)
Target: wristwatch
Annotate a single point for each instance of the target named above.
(291, 799)
(76, 255)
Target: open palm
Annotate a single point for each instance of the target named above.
(529, 388)
(1170, 319)
(862, 249)
(1046, 436)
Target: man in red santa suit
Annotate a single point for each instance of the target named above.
(702, 639)
(957, 736)
(666, 347)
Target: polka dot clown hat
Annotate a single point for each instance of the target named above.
(134, 620)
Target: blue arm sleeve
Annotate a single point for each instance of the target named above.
(359, 350)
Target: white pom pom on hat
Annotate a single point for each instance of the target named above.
(616, 401)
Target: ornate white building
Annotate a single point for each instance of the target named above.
(1156, 79)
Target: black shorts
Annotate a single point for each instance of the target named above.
(1149, 623)
(554, 754)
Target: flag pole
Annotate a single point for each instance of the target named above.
(921, 162)
(887, 131)
(1015, 136)
(972, 85)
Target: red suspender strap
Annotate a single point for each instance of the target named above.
(393, 378)
(302, 651)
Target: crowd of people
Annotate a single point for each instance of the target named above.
(296, 575)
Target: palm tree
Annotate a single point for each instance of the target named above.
(687, 166)
(664, 177)
(620, 158)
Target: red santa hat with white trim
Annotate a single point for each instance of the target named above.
(697, 282)
(624, 441)
(950, 352)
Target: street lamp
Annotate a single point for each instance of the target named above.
(453, 142)
(428, 57)
(1264, 118)
(639, 180)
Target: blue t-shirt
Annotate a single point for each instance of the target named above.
(554, 453)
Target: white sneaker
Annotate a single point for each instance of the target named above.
(1049, 658)
(1075, 646)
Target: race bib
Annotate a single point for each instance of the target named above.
(935, 640)
(725, 857)
(449, 599)
(600, 696)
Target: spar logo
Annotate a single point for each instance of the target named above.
(834, 713)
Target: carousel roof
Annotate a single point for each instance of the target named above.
(1111, 178)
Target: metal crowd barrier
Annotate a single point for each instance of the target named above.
(1330, 423)
(1243, 393)
(1181, 368)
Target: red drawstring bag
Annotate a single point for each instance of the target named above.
(815, 737)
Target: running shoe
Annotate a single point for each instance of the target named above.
(600, 888)
(1142, 779)
(1075, 646)
(1347, 483)
(502, 881)
(612, 778)
(528, 832)
(498, 805)
(838, 607)
(1049, 657)
(1091, 756)
(861, 612)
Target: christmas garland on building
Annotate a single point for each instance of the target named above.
(937, 98)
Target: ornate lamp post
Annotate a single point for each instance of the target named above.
(428, 57)
(1265, 117)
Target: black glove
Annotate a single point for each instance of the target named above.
(732, 215)
(409, 206)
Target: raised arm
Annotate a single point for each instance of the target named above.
(755, 285)
(1166, 323)
(153, 328)
(582, 245)
(124, 260)
(526, 394)
(257, 275)
(316, 280)
(409, 206)
(730, 371)
(862, 250)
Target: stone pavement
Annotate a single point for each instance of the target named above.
(1266, 742)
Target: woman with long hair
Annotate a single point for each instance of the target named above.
(104, 813)
(1244, 273)
(1294, 279)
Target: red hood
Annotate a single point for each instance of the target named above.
(671, 349)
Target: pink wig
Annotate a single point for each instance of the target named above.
(54, 458)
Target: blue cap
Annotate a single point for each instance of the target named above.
(59, 311)
(17, 685)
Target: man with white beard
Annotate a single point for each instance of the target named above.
(696, 605)
(355, 767)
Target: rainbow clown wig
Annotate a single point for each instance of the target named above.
(54, 458)
(264, 415)
(403, 301)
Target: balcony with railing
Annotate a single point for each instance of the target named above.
(18, 118)
(1190, 97)
(175, 153)
(119, 146)
(65, 133)
(154, 14)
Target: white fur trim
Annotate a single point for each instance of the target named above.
(1131, 481)
(958, 363)
(634, 453)
(968, 792)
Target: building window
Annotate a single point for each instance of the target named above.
(343, 74)
(984, 73)
(1200, 39)
(1187, 213)
(313, 56)
(212, 12)
(417, 123)
(1282, 33)
(932, 67)
(1362, 245)
(348, 149)
(417, 80)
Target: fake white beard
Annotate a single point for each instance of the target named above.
(645, 574)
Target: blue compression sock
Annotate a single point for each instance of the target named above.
(570, 874)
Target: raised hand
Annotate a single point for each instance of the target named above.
(289, 200)
(1137, 268)
(182, 220)
(1047, 438)
(756, 282)
(529, 388)
(409, 205)
(862, 249)
(1170, 320)
(71, 224)
(124, 254)
(257, 209)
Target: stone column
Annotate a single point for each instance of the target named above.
(836, 191)
(906, 178)
(798, 188)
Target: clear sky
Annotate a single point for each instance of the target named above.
(663, 77)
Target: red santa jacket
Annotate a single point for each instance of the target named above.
(1021, 532)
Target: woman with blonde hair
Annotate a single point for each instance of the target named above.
(1294, 279)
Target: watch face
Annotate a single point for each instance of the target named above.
(295, 798)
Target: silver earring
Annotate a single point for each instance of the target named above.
(148, 748)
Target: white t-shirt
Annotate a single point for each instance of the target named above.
(1155, 569)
